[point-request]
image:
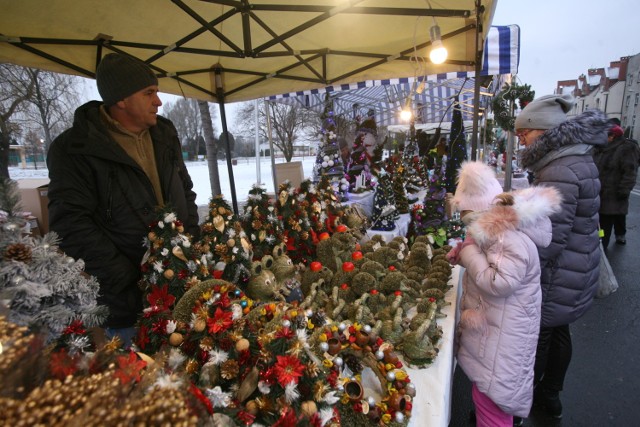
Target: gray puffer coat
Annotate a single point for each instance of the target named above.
(561, 157)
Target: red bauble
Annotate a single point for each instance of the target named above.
(341, 228)
(315, 266)
(348, 266)
(357, 255)
(324, 236)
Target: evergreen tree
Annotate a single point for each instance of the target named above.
(384, 213)
(172, 264)
(295, 222)
(330, 203)
(44, 289)
(261, 223)
(329, 160)
(227, 241)
(457, 150)
(428, 218)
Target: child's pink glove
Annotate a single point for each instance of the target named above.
(454, 254)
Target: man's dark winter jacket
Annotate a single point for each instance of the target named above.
(101, 204)
(617, 163)
(561, 157)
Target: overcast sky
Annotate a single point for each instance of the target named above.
(561, 39)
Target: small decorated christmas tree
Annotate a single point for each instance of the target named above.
(330, 203)
(295, 221)
(458, 148)
(171, 264)
(384, 213)
(261, 223)
(328, 161)
(223, 234)
(428, 218)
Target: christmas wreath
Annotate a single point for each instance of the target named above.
(501, 106)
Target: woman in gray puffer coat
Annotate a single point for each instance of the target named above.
(500, 304)
(559, 153)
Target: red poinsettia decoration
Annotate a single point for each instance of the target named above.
(75, 328)
(129, 368)
(288, 369)
(221, 321)
(160, 297)
(62, 364)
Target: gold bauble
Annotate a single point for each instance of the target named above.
(200, 325)
(218, 223)
(231, 243)
(178, 253)
(175, 339)
(309, 408)
(152, 236)
(168, 274)
(242, 344)
(251, 407)
(180, 229)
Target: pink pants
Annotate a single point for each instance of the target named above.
(488, 414)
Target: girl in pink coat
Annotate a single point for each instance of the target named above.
(500, 304)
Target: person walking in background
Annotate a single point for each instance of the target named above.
(109, 172)
(559, 153)
(500, 304)
(617, 162)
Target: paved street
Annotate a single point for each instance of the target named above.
(603, 385)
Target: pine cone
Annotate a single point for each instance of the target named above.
(18, 252)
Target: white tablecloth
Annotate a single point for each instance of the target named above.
(432, 404)
(364, 200)
(402, 227)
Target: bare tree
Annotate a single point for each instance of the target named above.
(16, 88)
(53, 102)
(212, 147)
(185, 115)
(288, 124)
(34, 146)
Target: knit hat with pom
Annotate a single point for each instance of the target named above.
(477, 187)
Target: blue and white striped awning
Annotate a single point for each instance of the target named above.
(432, 95)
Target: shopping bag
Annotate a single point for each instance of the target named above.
(608, 283)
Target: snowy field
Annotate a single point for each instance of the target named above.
(244, 175)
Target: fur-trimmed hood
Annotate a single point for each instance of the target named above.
(574, 136)
(529, 214)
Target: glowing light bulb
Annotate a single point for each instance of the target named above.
(438, 52)
(405, 115)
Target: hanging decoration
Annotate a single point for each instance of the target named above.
(501, 103)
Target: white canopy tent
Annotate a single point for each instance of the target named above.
(236, 50)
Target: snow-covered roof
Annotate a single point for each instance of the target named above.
(594, 80)
(614, 72)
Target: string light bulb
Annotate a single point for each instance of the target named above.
(406, 113)
(438, 53)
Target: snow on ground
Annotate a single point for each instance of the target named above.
(244, 175)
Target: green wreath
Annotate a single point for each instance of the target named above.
(501, 105)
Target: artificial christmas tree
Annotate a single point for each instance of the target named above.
(295, 221)
(329, 160)
(458, 148)
(43, 288)
(428, 218)
(223, 234)
(172, 263)
(384, 215)
(261, 223)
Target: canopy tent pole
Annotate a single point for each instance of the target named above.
(273, 162)
(258, 160)
(476, 87)
(225, 133)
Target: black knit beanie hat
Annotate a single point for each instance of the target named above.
(119, 76)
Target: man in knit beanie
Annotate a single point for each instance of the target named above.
(109, 175)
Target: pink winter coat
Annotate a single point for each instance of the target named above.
(501, 299)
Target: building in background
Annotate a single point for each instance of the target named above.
(615, 90)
